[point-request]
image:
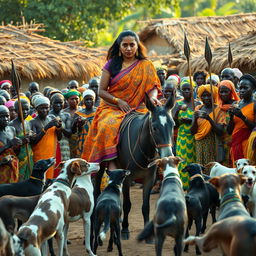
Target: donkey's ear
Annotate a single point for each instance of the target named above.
(171, 101)
(150, 106)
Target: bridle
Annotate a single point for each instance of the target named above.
(137, 144)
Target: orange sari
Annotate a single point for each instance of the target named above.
(130, 85)
(46, 148)
(241, 133)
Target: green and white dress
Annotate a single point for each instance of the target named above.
(185, 145)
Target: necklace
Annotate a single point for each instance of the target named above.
(127, 64)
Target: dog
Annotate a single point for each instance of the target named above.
(81, 204)
(235, 232)
(32, 186)
(10, 245)
(248, 189)
(217, 169)
(15, 207)
(198, 205)
(51, 213)
(108, 211)
(193, 169)
(170, 216)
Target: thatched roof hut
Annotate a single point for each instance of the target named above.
(243, 52)
(42, 59)
(165, 37)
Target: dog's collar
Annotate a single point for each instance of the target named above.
(229, 197)
(195, 176)
(63, 181)
(35, 178)
(173, 175)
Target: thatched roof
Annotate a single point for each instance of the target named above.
(243, 52)
(38, 57)
(219, 29)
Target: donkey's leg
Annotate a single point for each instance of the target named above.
(125, 233)
(148, 184)
(97, 181)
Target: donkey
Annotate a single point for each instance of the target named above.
(143, 138)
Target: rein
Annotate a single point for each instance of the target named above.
(63, 181)
(137, 143)
(229, 197)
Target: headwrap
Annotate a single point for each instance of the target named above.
(9, 103)
(86, 86)
(161, 67)
(40, 100)
(81, 89)
(174, 77)
(237, 72)
(214, 77)
(5, 82)
(185, 80)
(89, 92)
(207, 87)
(71, 93)
(250, 78)
(234, 95)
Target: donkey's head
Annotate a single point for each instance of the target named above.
(161, 125)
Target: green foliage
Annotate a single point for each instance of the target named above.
(98, 22)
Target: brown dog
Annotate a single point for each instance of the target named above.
(235, 234)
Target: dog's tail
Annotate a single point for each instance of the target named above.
(169, 222)
(147, 232)
(106, 224)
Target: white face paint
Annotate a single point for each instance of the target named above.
(163, 120)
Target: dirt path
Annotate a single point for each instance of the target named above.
(130, 247)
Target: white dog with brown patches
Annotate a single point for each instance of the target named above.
(248, 188)
(51, 213)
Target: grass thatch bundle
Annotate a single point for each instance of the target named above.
(38, 57)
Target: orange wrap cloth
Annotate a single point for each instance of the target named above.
(234, 95)
(130, 85)
(204, 126)
(207, 88)
(46, 148)
(241, 133)
(251, 152)
(9, 174)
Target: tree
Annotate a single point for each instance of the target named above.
(71, 20)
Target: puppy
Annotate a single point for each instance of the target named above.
(217, 169)
(170, 216)
(108, 211)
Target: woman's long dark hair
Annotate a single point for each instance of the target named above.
(113, 52)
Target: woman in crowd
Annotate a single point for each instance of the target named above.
(226, 97)
(126, 77)
(183, 116)
(73, 99)
(83, 118)
(242, 118)
(204, 127)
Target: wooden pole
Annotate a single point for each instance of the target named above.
(187, 54)
(16, 84)
(230, 56)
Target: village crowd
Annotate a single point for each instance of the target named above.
(212, 123)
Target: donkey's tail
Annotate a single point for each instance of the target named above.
(147, 232)
(106, 223)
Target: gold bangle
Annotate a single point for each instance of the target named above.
(115, 100)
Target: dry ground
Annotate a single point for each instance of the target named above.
(130, 247)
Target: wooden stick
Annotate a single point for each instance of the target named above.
(16, 83)
(230, 56)
(187, 54)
